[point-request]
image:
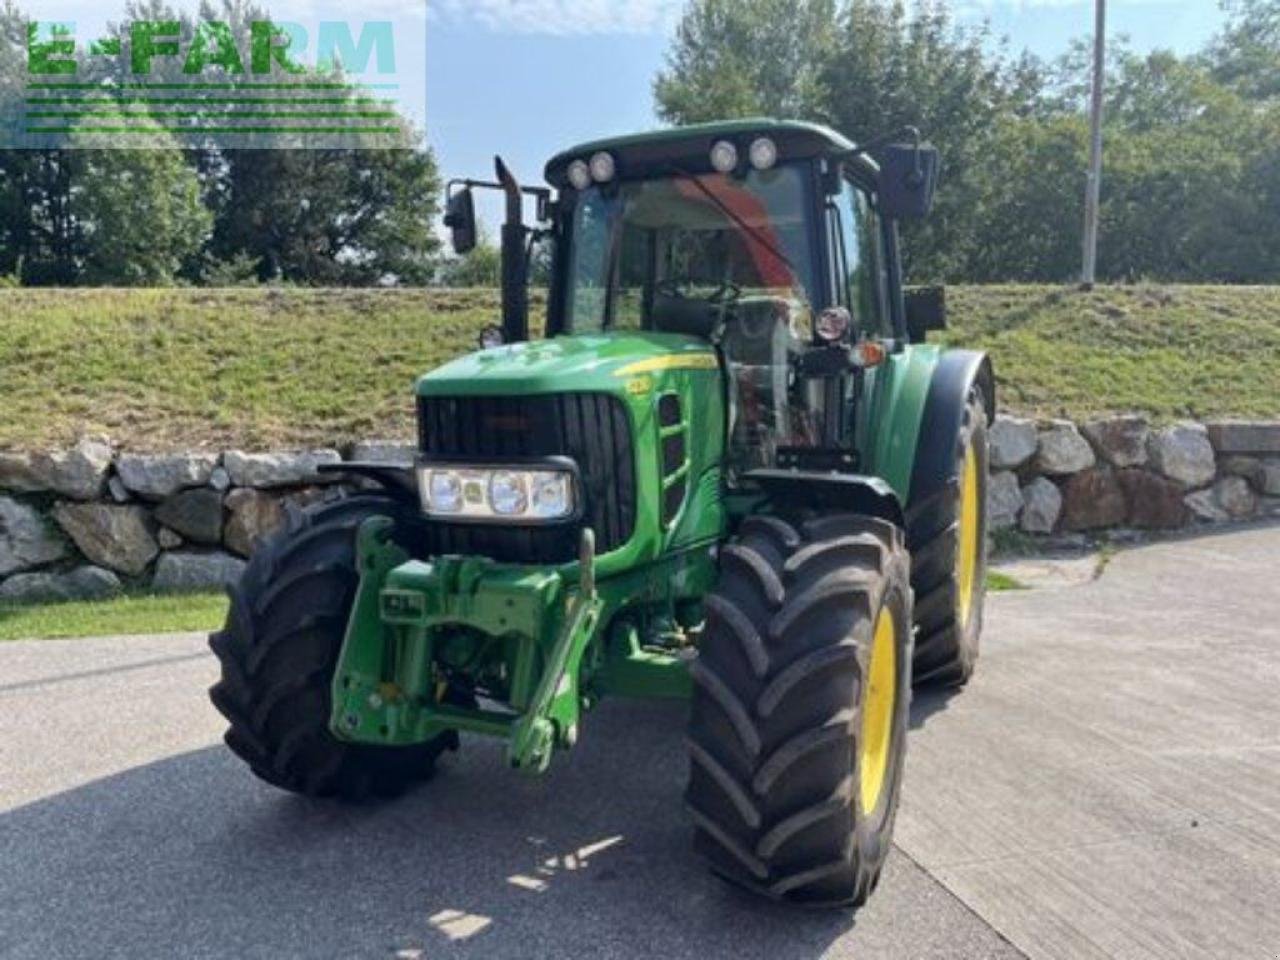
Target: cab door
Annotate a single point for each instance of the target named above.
(865, 285)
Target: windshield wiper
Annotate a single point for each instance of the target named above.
(738, 221)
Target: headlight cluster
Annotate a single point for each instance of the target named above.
(496, 493)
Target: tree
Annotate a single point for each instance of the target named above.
(141, 216)
(1033, 171)
(481, 267)
(15, 165)
(1246, 55)
(356, 215)
(345, 217)
(734, 59)
(1192, 184)
(361, 215)
(897, 67)
(867, 68)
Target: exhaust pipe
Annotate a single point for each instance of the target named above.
(515, 260)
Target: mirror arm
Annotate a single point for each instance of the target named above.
(541, 194)
(913, 133)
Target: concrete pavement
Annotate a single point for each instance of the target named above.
(1109, 786)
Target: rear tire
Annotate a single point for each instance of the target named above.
(280, 647)
(798, 723)
(949, 561)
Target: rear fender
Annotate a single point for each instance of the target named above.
(957, 373)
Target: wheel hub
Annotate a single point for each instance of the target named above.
(877, 712)
(967, 548)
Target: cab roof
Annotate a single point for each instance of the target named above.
(642, 154)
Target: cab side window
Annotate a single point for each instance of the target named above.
(859, 258)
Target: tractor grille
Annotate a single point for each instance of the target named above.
(591, 428)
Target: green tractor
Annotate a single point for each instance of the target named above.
(731, 472)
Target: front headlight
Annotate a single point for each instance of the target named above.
(507, 493)
(443, 491)
(496, 493)
(552, 495)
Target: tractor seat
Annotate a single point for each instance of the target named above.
(762, 330)
(687, 315)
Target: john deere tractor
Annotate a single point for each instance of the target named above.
(731, 471)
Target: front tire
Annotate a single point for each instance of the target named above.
(280, 647)
(799, 711)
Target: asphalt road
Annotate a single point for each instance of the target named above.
(1109, 786)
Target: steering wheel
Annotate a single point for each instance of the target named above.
(759, 321)
(670, 287)
(724, 295)
(728, 293)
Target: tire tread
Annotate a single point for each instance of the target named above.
(775, 714)
(267, 698)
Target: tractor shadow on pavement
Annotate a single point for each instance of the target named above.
(191, 856)
(927, 702)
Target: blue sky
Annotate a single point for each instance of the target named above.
(527, 78)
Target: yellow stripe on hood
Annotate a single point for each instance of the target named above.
(673, 361)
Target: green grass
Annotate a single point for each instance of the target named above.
(155, 369)
(1168, 352)
(998, 582)
(129, 615)
(122, 616)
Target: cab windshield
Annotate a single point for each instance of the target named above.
(679, 253)
(716, 256)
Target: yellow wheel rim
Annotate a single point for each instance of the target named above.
(877, 712)
(967, 551)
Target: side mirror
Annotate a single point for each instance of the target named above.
(908, 177)
(926, 311)
(460, 218)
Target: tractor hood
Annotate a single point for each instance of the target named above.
(597, 362)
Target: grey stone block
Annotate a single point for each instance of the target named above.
(186, 572)
(26, 540)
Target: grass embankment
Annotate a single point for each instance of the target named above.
(257, 368)
(122, 616)
(1169, 352)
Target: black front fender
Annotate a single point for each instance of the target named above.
(846, 493)
(400, 483)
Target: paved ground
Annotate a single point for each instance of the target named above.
(1108, 787)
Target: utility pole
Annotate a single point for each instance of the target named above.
(1093, 185)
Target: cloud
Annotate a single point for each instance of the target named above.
(303, 11)
(309, 10)
(561, 17)
(1024, 6)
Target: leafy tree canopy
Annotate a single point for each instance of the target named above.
(357, 216)
(1191, 183)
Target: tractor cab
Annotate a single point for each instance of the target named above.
(724, 258)
(774, 242)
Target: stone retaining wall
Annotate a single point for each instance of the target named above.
(1120, 473)
(91, 521)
